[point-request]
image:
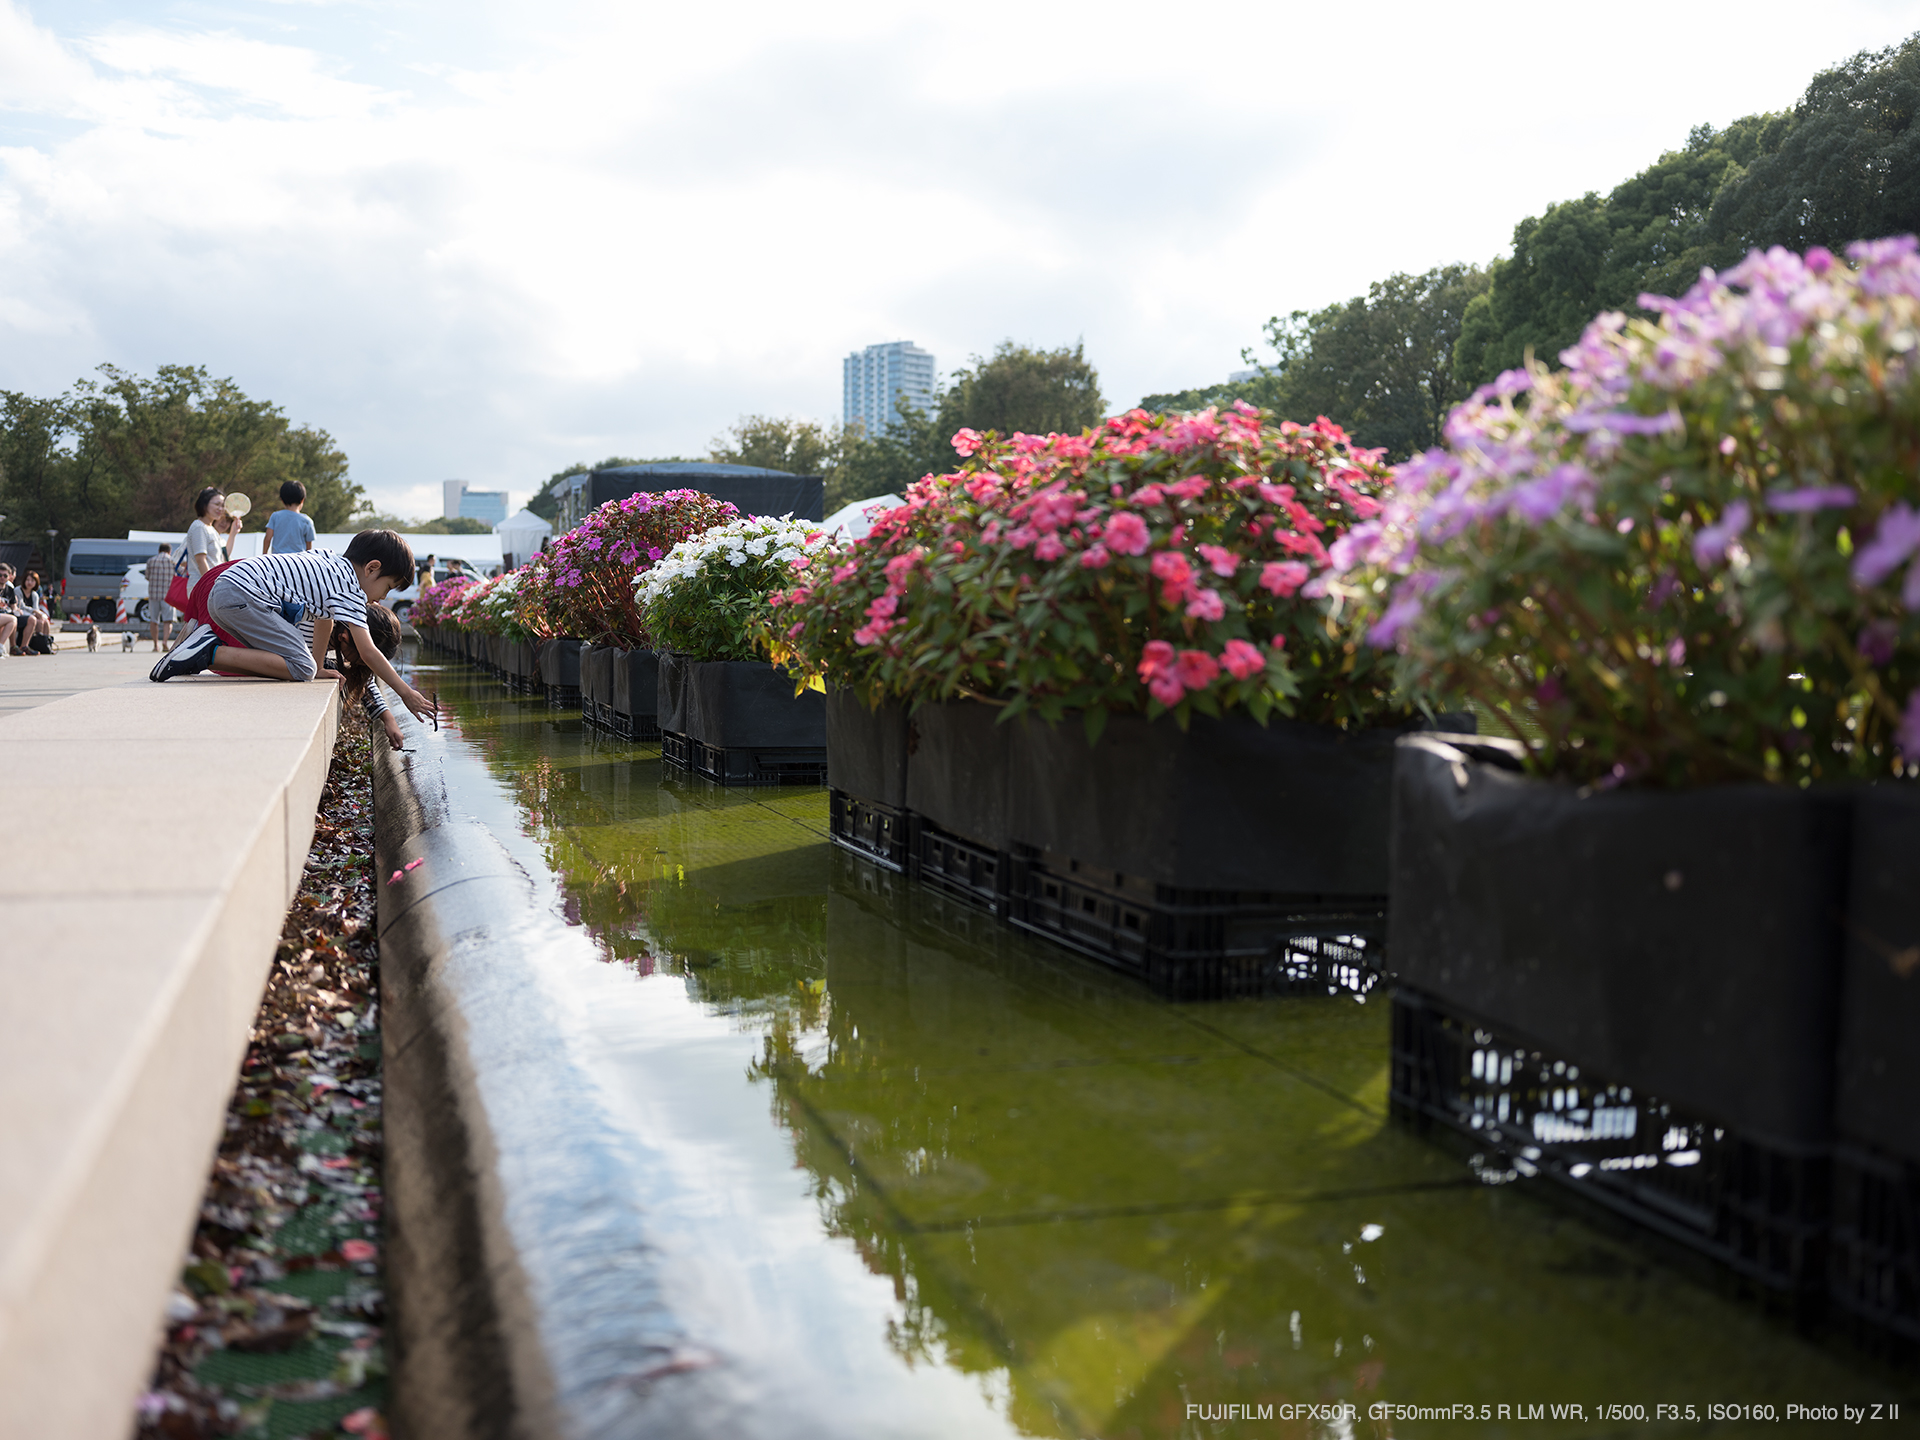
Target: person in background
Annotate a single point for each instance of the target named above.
(160, 616)
(288, 529)
(30, 607)
(9, 622)
(205, 546)
(423, 573)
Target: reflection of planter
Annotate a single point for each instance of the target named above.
(738, 722)
(1875, 1264)
(635, 695)
(1228, 858)
(867, 768)
(559, 661)
(1634, 992)
(516, 659)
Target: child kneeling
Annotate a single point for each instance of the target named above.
(261, 602)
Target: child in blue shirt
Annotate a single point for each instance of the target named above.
(289, 529)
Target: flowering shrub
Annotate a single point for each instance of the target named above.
(1157, 563)
(430, 608)
(591, 567)
(468, 607)
(708, 597)
(519, 603)
(1681, 558)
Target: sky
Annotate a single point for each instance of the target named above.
(484, 240)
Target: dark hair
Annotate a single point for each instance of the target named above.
(166, 548)
(393, 553)
(204, 499)
(354, 672)
(30, 579)
(292, 493)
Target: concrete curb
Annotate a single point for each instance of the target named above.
(525, 1295)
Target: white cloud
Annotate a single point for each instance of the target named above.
(488, 240)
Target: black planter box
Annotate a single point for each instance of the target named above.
(596, 685)
(867, 768)
(1655, 977)
(1875, 1261)
(559, 661)
(1228, 859)
(960, 759)
(636, 694)
(738, 722)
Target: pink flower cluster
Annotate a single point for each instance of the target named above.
(591, 568)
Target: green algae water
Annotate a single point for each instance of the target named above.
(947, 1179)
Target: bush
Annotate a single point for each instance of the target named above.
(1155, 563)
(1673, 562)
(431, 607)
(708, 597)
(592, 567)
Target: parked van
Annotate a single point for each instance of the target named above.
(95, 569)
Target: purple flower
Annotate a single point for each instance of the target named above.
(1664, 589)
(1877, 640)
(1405, 609)
(1895, 540)
(1622, 422)
(1710, 545)
(1541, 499)
(1907, 737)
(1829, 497)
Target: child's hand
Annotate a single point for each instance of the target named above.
(394, 737)
(420, 705)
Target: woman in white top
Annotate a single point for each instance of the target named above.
(205, 548)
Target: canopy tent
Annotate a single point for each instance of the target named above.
(855, 521)
(521, 534)
(480, 552)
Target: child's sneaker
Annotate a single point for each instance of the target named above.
(189, 657)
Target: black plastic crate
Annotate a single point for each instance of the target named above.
(751, 765)
(676, 749)
(1198, 944)
(868, 828)
(1758, 1209)
(1873, 1264)
(563, 697)
(961, 867)
(635, 727)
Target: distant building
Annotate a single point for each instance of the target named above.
(873, 380)
(458, 502)
(1240, 377)
(750, 489)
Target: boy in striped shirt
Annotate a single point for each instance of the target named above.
(261, 600)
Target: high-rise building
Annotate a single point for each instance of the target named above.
(876, 377)
(457, 501)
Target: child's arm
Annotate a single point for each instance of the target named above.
(420, 705)
(322, 637)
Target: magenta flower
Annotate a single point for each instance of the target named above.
(1206, 605)
(1170, 567)
(1221, 560)
(966, 441)
(1127, 533)
(1243, 661)
(1048, 547)
(1897, 537)
(1096, 557)
(1283, 577)
(1197, 669)
(1800, 502)
(1166, 688)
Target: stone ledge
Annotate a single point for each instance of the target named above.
(170, 826)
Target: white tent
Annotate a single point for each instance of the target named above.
(853, 522)
(480, 552)
(520, 534)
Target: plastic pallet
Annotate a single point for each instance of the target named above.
(877, 832)
(961, 867)
(635, 727)
(563, 697)
(746, 765)
(676, 749)
(1755, 1209)
(1873, 1267)
(1199, 944)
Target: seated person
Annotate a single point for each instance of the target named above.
(260, 601)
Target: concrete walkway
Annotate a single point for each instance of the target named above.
(159, 832)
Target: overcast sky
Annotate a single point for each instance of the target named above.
(486, 239)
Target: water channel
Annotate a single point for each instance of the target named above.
(955, 1181)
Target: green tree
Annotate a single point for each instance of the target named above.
(379, 520)
(1845, 166)
(916, 444)
(1019, 388)
(800, 447)
(45, 483)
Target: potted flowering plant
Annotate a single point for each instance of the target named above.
(729, 714)
(1666, 568)
(430, 610)
(512, 616)
(1150, 595)
(591, 570)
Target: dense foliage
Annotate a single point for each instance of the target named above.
(592, 567)
(708, 597)
(1681, 559)
(124, 451)
(1155, 564)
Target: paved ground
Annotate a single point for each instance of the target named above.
(27, 681)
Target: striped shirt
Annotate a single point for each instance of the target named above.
(319, 579)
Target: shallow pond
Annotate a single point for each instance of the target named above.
(946, 1179)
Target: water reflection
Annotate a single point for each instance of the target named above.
(964, 1182)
